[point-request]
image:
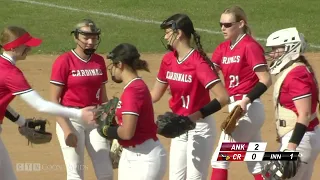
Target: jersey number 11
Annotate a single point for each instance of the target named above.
(185, 101)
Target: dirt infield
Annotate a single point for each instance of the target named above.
(46, 161)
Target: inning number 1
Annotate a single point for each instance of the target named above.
(234, 81)
(185, 101)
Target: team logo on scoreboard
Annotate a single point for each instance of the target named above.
(224, 157)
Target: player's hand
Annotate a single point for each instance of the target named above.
(87, 115)
(291, 147)
(243, 103)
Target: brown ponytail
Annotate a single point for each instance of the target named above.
(196, 37)
(139, 64)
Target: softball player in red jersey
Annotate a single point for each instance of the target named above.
(188, 73)
(241, 60)
(16, 43)
(78, 80)
(143, 156)
(296, 96)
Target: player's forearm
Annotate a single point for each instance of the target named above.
(299, 130)
(266, 80)
(210, 108)
(155, 98)
(37, 102)
(104, 96)
(304, 118)
(63, 122)
(158, 91)
(125, 134)
(222, 98)
(13, 116)
(262, 86)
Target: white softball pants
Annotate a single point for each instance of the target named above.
(190, 153)
(247, 130)
(97, 147)
(309, 148)
(6, 170)
(143, 162)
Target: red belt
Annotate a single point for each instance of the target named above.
(236, 97)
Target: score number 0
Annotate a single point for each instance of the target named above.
(254, 155)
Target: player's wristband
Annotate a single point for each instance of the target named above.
(14, 117)
(210, 108)
(112, 132)
(11, 117)
(298, 133)
(257, 91)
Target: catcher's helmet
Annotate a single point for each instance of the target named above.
(125, 52)
(293, 42)
(94, 30)
(179, 21)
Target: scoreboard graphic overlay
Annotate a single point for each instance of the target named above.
(251, 151)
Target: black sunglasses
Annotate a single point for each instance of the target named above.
(227, 25)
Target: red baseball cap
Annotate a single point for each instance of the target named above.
(25, 39)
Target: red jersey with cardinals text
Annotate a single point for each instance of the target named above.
(299, 83)
(12, 83)
(82, 79)
(238, 62)
(136, 100)
(188, 80)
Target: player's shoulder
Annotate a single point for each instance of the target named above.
(136, 86)
(64, 57)
(196, 57)
(6, 66)
(224, 44)
(299, 72)
(168, 57)
(136, 82)
(97, 57)
(13, 71)
(249, 41)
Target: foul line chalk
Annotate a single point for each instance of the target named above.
(127, 18)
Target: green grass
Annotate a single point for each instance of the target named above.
(54, 24)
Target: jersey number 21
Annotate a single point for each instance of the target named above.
(234, 81)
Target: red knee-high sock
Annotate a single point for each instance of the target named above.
(258, 177)
(219, 174)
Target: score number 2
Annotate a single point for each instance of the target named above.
(234, 81)
(185, 101)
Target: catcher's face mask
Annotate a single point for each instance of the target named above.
(112, 68)
(170, 34)
(88, 39)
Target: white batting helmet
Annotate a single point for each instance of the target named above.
(293, 42)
